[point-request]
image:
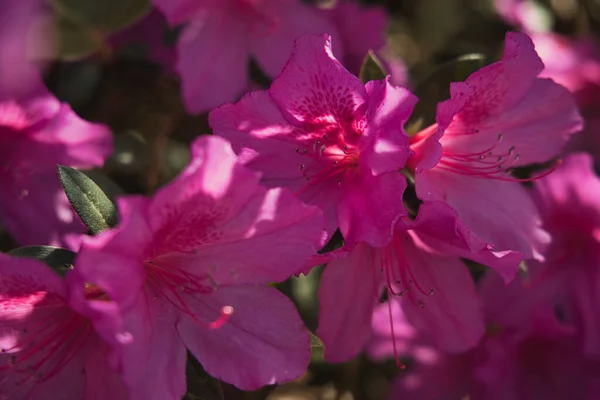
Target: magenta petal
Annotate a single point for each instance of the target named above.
(501, 213)
(262, 138)
(216, 218)
(370, 206)
(382, 343)
(315, 88)
(389, 108)
(349, 290)
(453, 314)
(263, 342)
(292, 19)
(155, 352)
(116, 265)
(212, 60)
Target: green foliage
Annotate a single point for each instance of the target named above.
(83, 25)
(60, 260)
(92, 205)
(200, 385)
(436, 88)
(371, 69)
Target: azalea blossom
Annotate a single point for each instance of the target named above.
(333, 141)
(221, 36)
(187, 269)
(503, 116)
(421, 270)
(36, 133)
(570, 207)
(23, 42)
(48, 350)
(526, 353)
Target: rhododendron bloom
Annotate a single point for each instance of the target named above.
(48, 350)
(182, 271)
(36, 133)
(420, 268)
(223, 35)
(335, 142)
(527, 352)
(502, 117)
(569, 202)
(22, 44)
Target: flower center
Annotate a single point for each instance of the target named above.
(48, 339)
(179, 287)
(336, 156)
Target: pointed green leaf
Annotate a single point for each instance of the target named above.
(371, 69)
(89, 201)
(436, 88)
(60, 260)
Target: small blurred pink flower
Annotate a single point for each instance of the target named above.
(24, 42)
(503, 116)
(569, 202)
(362, 29)
(421, 268)
(221, 36)
(48, 350)
(36, 133)
(187, 268)
(335, 142)
(526, 353)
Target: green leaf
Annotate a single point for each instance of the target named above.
(436, 88)
(60, 260)
(89, 201)
(200, 385)
(371, 69)
(82, 26)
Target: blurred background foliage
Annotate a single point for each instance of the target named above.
(103, 67)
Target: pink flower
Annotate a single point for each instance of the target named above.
(23, 42)
(221, 37)
(36, 133)
(47, 349)
(569, 201)
(527, 352)
(421, 267)
(187, 268)
(335, 142)
(503, 116)
(362, 29)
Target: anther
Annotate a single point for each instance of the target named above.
(302, 166)
(422, 304)
(431, 291)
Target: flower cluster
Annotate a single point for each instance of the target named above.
(187, 272)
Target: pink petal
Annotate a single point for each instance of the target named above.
(216, 218)
(383, 342)
(349, 290)
(113, 259)
(389, 108)
(452, 315)
(375, 200)
(360, 28)
(155, 354)
(291, 20)
(262, 138)
(441, 231)
(500, 213)
(510, 108)
(212, 60)
(315, 88)
(263, 342)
